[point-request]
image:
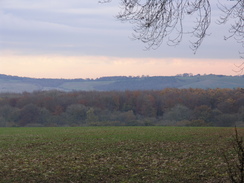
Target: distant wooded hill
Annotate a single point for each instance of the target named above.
(120, 83)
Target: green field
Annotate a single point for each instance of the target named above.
(114, 154)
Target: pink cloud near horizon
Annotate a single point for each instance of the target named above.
(99, 66)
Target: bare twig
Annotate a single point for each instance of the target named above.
(235, 12)
(239, 68)
(235, 168)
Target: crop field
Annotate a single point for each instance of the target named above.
(115, 154)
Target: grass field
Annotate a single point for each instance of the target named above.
(114, 154)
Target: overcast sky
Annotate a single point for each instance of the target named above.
(83, 39)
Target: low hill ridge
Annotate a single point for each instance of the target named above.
(17, 84)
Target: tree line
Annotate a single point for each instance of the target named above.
(168, 107)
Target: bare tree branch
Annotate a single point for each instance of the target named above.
(236, 13)
(239, 68)
(156, 21)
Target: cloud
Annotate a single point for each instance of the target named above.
(87, 28)
(47, 66)
(48, 29)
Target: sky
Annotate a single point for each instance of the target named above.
(83, 39)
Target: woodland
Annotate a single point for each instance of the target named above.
(168, 107)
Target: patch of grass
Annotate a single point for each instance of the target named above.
(113, 154)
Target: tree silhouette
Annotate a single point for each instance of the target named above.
(156, 21)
